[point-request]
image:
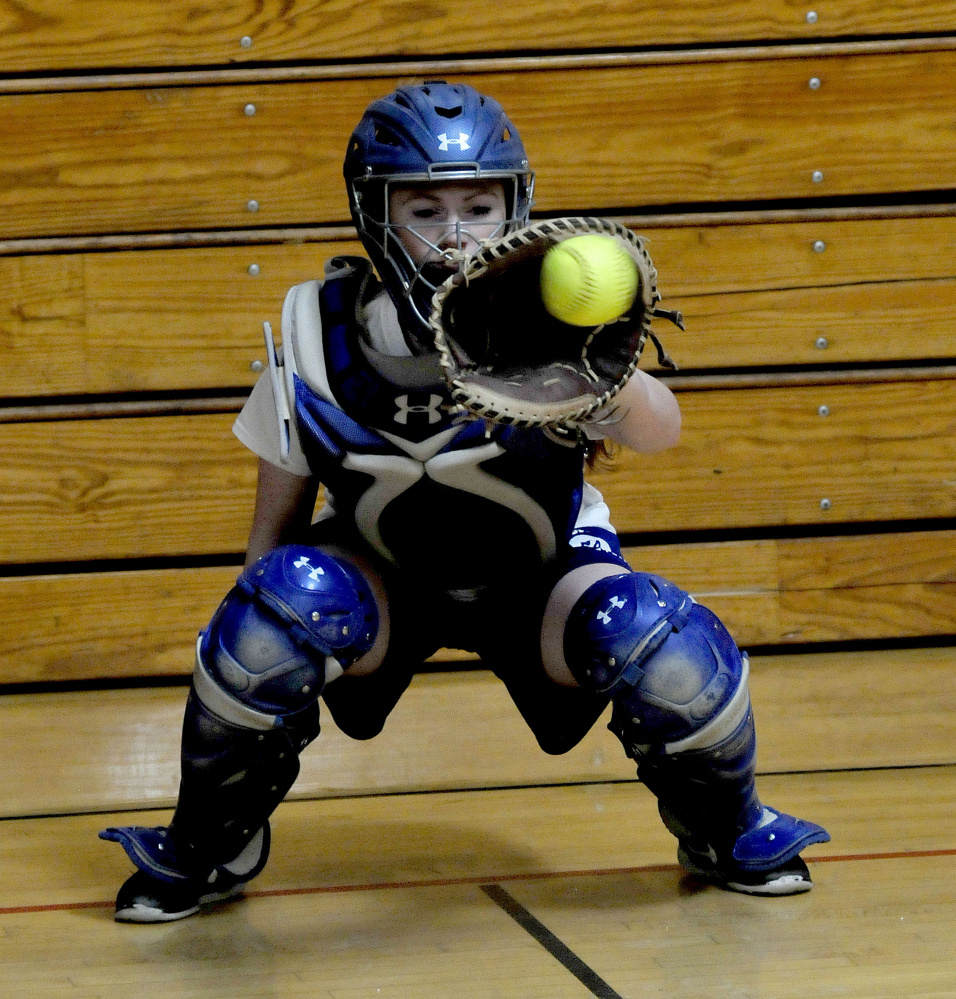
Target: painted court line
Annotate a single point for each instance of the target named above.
(482, 880)
(559, 950)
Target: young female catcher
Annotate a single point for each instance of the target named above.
(442, 530)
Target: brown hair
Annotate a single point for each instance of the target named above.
(599, 454)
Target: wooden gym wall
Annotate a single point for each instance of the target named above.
(168, 169)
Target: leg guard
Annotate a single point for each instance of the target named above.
(682, 711)
(294, 617)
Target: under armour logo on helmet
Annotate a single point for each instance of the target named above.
(461, 142)
(605, 616)
(432, 409)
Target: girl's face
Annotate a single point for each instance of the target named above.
(429, 218)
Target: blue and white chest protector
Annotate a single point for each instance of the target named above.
(444, 497)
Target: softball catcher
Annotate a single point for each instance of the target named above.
(449, 420)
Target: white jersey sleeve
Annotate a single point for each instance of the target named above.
(257, 426)
(594, 511)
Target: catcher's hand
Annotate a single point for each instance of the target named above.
(507, 359)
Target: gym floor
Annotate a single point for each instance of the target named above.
(542, 888)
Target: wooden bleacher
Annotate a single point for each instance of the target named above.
(811, 498)
(168, 170)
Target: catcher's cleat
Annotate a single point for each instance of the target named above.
(161, 892)
(764, 860)
(789, 878)
(145, 899)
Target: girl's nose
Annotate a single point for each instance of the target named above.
(456, 237)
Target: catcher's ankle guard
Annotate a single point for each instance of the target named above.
(152, 849)
(774, 839)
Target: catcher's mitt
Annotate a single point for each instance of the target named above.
(507, 359)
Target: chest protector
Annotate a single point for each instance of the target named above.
(445, 497)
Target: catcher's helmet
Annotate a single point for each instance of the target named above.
(434, 132)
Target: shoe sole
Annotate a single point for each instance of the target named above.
(150, 914)
(785, 884)
(790, 884)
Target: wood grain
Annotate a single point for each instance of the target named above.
(849, 324)
(791, 591)
(137, 623)
(751, 295)
(95, 625)
(745, 254)
(124, 488)
(179, 485)
(38, 35)
(186, 158)
(593, 864)
(395, 895)
(813, 712)
(802, 564)
(767, 456)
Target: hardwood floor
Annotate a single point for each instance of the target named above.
(545, 890)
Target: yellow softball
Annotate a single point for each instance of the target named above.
(587, 280)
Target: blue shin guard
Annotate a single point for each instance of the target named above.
(708, 800)
(295, 617)
(682, 712)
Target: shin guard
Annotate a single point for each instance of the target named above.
(682, 711)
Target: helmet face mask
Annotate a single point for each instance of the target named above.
(418, 250)
(417, 136)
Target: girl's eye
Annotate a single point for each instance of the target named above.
(424, 214)
(480, 211)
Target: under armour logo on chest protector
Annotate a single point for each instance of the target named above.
(431, 409)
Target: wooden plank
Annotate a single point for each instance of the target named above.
(893, 321)
(96, 625)
(55, 35)
(814, 712)
(143, 622)
(205, 334)
(493, 834)
(754, 294)
(864, 932)
(160, 320)
(802, 564)
(124, 488)
(741, 256)
(181, 158)
(769, 456)
(886, 613)
(790, 591)
(396, 892)
(179, 485)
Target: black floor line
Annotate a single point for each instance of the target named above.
(584, 974)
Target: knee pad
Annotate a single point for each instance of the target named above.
(677, 679)
(294, 613)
